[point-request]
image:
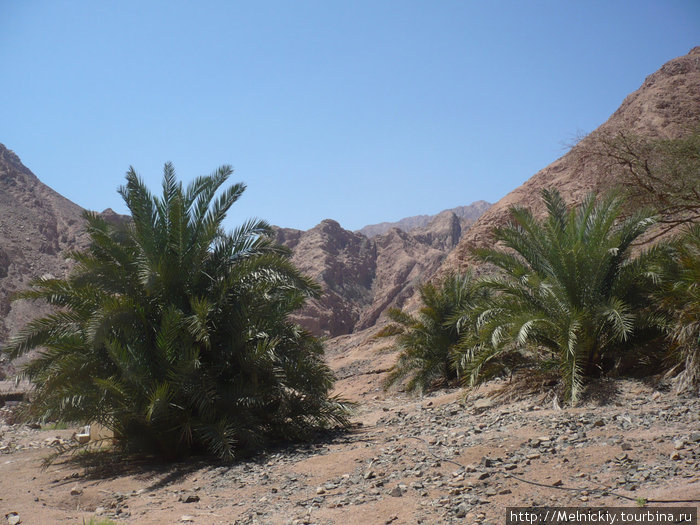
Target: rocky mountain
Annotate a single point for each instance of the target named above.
(667, 105)
(362, 273)
(361, 276)
(37, 227)
(466, 214)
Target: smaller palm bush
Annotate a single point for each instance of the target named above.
(425, 341)
(568, 292)
(678, 301)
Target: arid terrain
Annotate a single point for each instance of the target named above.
(442, 458)
(437, 459)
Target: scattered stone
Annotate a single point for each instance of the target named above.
(13, 518)
(483, 404)
(75, 491)
(679, 444)
(187, 519)
(401, 467)
(396, 492)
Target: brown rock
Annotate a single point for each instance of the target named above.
(362, 277)
(666, 105)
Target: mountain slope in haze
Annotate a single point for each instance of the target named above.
(468, 214)
(667, 105)
(362, 277)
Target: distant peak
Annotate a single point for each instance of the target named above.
(470, 212)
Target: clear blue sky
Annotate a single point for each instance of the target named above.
(360, 111)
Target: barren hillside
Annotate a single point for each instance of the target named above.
(665, 106)
(37, 225)
(362, 277)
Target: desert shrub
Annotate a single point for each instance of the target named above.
(174, 334)
(425, 341)
(659, 173)
(568, 293)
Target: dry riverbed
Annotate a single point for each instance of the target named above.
(437, 459)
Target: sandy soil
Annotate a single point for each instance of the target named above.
(437, 459)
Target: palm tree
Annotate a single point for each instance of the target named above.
(678, 301)
(175, 334)
(567, 290)
(425, 341)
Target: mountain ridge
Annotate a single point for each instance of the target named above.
(361, 277)
(470, 212)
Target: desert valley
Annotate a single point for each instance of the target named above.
(450, 455)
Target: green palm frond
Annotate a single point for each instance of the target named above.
(566, 286)
(176, 334)
(426, 341)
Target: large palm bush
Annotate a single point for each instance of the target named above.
(567, 291)
(175, 335)
(425, 341)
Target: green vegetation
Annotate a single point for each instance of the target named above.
(97, 521)
(175, 334)
(566, 294)
(55, 425)
(678, 302)
(569, 291)
(663, 174)
(426, 341)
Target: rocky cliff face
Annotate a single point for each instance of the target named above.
(665, 106)
(362, 277)
(344, 263)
